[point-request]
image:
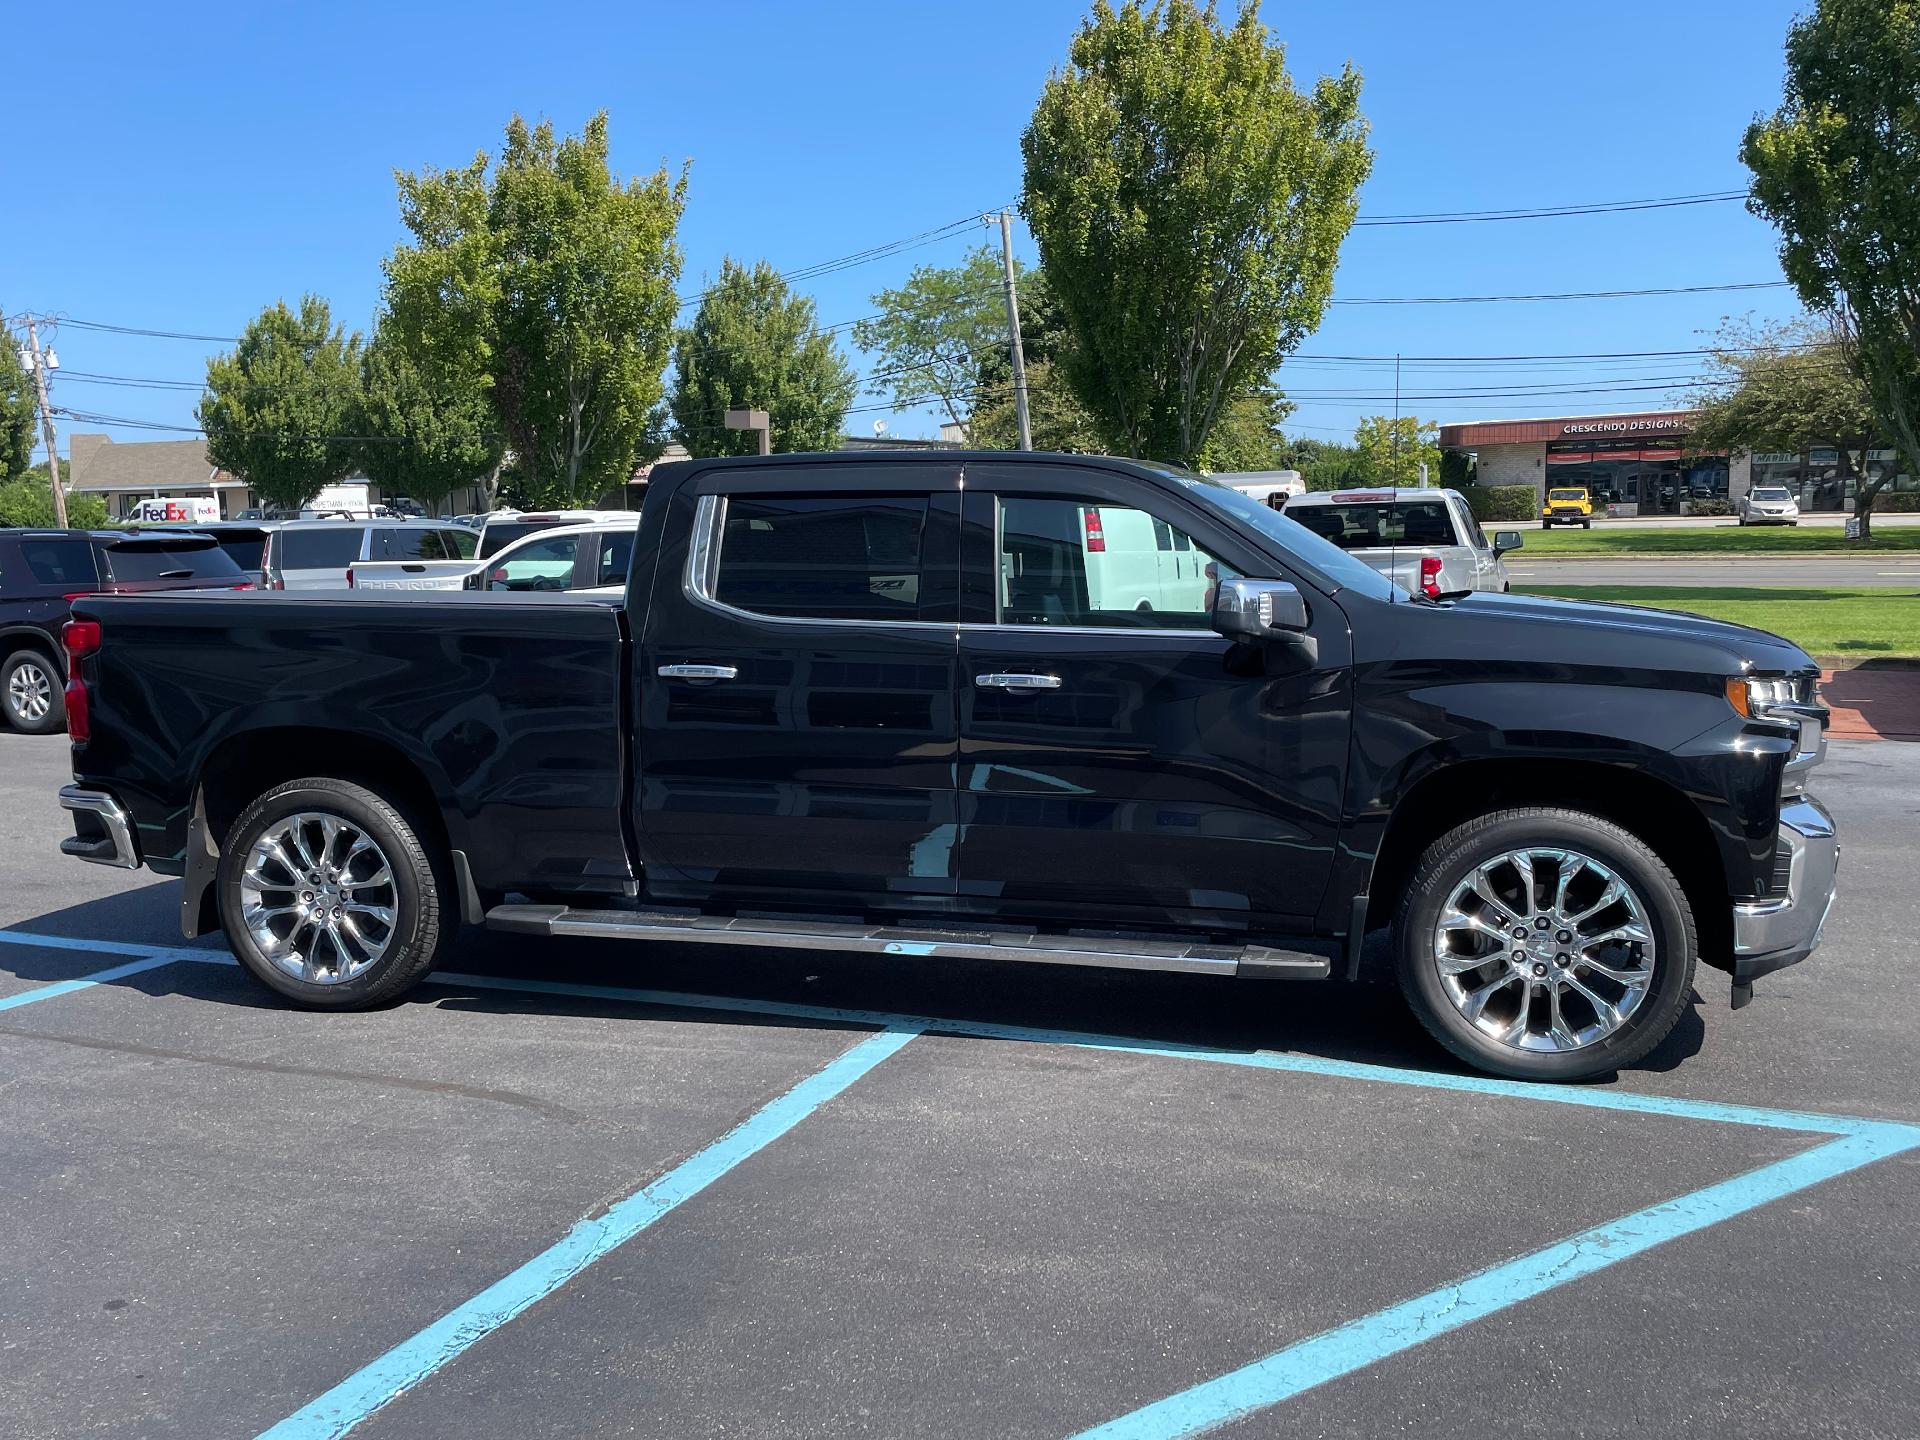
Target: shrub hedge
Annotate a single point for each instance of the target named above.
(1903, 502)
(1502, 502)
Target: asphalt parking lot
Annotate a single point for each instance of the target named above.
(571, 1189)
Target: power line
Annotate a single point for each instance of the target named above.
(1558, 295)
(1548, 212)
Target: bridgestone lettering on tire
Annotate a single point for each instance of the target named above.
(329, 895)
(1545, 944)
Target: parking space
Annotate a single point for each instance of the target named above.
(538, 1198)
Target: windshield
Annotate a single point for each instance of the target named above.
(1771, 494)
(1330, 560)
(1566, 495)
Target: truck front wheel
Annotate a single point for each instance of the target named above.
(1545, 944)
(329, 896)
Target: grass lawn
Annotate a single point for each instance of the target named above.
(1711, 540)
(1838, 623)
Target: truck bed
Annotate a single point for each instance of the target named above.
(509, 704)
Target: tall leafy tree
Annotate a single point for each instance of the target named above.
(1189, 203)
(280, 410)
(933, 332)
(1247, 435)
(755, 345)
(1789, 387)
(1055, 416)
(1393, 448)
(427, 433)
(560, 282)
(1837, 170)
(17, 417)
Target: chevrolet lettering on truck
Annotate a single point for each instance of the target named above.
(1034, 708)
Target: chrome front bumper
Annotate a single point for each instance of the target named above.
(1771, 934)
(102, 832)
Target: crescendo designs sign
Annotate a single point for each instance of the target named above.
(1667, 423)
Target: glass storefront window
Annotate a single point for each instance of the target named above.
(1655, 476)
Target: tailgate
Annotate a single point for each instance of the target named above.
(410, 574)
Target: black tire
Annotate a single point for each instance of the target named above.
(420, 922)
(1546, 524)
(1447, 863)
(40, 679)
(1586, 524)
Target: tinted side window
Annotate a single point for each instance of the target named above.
(1080, 563)
(616, 553)
(60, 562)
(14, 576)
(246, 551)
(328, 548)
(459, 544)
(823, 557)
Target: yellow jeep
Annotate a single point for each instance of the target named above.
(1567, 505)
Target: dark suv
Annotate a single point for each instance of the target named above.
(43, 571)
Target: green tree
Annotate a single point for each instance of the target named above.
(1393, 448)
(1457, 468)
(1247, 435)
(27, 500)
(1788, 387)
(934, 332)
(559, 281)
(755, 345)
(1055, 416)
(1837, 170)
(427, 432)
(18, 420)
(1189, 203)
(280, 410)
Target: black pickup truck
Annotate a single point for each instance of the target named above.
(1045, 708)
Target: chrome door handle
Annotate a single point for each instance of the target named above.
(1017, 682)
(699, 672)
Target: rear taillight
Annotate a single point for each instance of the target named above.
(1096, 536)
(82, 638)
(1430, 576)
(244, 585)
(350, 584)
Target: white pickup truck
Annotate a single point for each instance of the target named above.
(1425, 541)
(555, 557)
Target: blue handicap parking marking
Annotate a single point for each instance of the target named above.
(1853, 1143)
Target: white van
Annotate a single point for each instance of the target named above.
(1063, 562)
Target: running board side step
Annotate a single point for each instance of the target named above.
(1178, 956)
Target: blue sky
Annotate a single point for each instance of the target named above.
(200, 162)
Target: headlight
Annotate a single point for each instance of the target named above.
(1756, 697)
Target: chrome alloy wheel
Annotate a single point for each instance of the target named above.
(318, 898)
(1544, 949)
(30, 692)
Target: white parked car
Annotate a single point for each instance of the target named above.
(503, 527)
(1768, 505)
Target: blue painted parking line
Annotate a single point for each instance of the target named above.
(1240, 1392)
(117, 947)
(1373, 1338)
(414, 1359)
(84, 982)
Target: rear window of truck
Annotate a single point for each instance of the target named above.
(1373, 526)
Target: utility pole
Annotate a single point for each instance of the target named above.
(1013, 335)
(37, 363)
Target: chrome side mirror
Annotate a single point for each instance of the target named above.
(1506, 540)
(1259, 610)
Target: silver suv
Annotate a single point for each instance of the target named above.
(1425, 541)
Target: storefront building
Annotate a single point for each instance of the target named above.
(1642, 464)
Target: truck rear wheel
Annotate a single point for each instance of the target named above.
(1545, 944)
(329, 896)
